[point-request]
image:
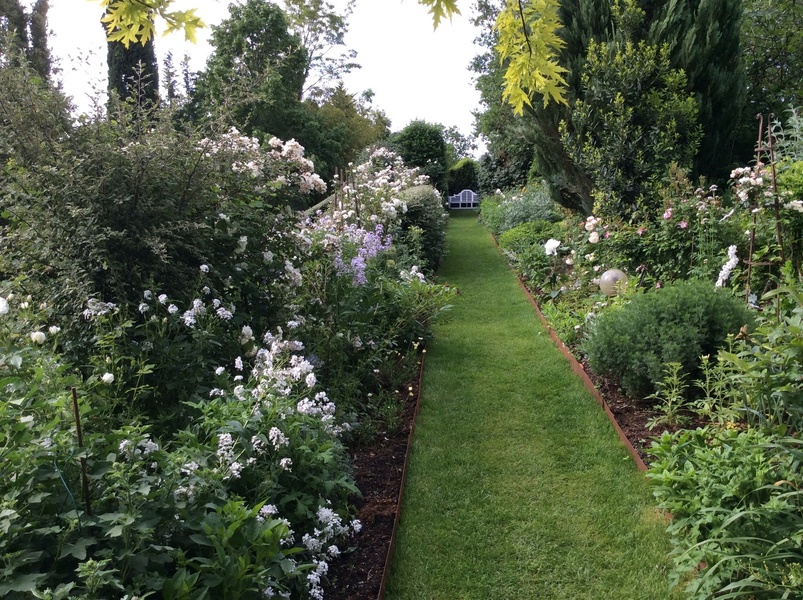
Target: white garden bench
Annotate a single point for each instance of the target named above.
(465, 199)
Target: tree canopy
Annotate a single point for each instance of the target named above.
(528, 42)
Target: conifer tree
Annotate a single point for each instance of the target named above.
(704, 40)
(39, 53)
(14, 22)
(27, 33)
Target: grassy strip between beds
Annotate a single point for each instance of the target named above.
(518, 485)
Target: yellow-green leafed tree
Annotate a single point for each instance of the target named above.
(528, 39)
(131, 21)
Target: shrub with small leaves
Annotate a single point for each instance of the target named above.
(425, 212)
(501, 212)
(678, 323)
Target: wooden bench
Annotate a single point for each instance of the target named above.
(465, 199)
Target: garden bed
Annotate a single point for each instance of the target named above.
(378, 469)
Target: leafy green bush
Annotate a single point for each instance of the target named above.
(422, 145)
(735, 499)
(425, 212)
(505, 211)
(767, 367)
(463, 175)
(636, 117)
(678, 323)
(527, 234)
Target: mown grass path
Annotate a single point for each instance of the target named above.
(518, 487)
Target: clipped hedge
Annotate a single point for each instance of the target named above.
(425, 212)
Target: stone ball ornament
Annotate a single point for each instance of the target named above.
(611, 281)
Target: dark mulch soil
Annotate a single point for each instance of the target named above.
(378, 469)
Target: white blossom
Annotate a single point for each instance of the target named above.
(551, 247)
(725, 272)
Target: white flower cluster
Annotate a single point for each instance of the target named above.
(142, 448)
(293, 273)
(376, 185)
(320, 406)
(413, 273)
(227, 457)
(551, 247)
(725, 272)
(330, 528)
(96, 308)
(190, 317)
(284, 164)
(292, 153)
(795, 205)
(277, 438)
(391, 210)
(749, 182)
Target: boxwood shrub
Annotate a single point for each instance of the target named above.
(678, 323)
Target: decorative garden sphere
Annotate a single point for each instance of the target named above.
(609, 280)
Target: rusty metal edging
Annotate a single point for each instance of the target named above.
(581, 373)
(389, 556)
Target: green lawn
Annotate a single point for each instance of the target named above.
(518, 486)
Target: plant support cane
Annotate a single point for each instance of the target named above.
(84, 478)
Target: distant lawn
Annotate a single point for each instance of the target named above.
(518, 485)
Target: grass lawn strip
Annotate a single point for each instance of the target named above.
(518, 484)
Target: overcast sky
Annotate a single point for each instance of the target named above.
(415, 72)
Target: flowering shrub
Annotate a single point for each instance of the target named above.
(251, 497)
(374, 192)
(144, 211)
(365, 307)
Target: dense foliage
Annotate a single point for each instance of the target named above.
(421, 144)
(735, 499)
(463, 175)
(675, 324)
(693, 37)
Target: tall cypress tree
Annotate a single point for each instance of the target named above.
(39, 53)
(28, 33)
(704, 41)
(133, 71)
(14, 21)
